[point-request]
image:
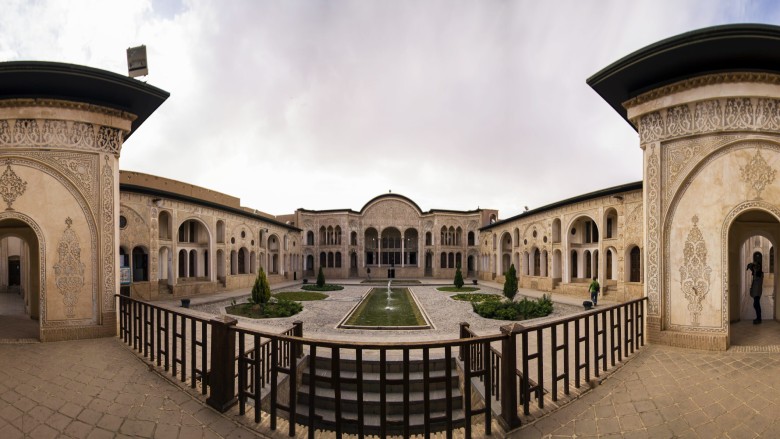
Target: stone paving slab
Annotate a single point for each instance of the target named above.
(94, 389)
(666, 392)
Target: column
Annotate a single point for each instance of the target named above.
(403, 246)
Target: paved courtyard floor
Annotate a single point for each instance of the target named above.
(100, 388)
(97, 389)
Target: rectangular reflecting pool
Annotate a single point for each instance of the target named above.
(396, 308)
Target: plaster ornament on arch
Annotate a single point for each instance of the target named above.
(757, 173)
(11, 185)
(69, 270)
(695, 273)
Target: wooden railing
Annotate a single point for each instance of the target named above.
(244, 366)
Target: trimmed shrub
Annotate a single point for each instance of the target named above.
(325, 287)
(261, 290)
(458, 278)
(300, 296)
(520, 310)
(320, 279)
(510, 284)
(476, 298)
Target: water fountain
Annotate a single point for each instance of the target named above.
(389, 309)
(389, 295)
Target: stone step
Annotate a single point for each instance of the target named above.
(394, 403)
(392, 365)
(393, 381)
(326, 419)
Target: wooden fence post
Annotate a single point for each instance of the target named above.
(221, 380)
(509, 387)
(464, 333)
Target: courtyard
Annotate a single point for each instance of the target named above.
(101, 388)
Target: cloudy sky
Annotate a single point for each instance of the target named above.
(326, 104)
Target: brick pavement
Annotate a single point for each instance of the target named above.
(667, 392)
(97, 389)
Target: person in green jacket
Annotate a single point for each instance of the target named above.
(594, 291)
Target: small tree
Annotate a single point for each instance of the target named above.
(458, 278)
(510, 283)
(261, 290)
(320, 279)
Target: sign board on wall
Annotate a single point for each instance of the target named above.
(125, 277)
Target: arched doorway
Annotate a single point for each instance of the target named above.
(752, 238)
(20, 283)
(353, 264)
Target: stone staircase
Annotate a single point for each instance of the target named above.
(324, 398)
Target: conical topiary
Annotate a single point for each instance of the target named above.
(261, 290)
(510, 283)
(320, 279)
(458, 278)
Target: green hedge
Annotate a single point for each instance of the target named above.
(458, 290)
(300, 296)
(326, 287)
(520, 310)
(279, 308)
(477, 298)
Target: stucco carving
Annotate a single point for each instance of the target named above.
(391, 212)
(700, 81)
(768, 113)
(136, 232)
(80, 167)
(107, 218)
(707, 116)
(723, 114)
(680, 156)
(633, 227)
(757, 173)
(21, 159)
(11, 186)
(27, 133)
(69, 270)
(759, 143)
(653, 219)
(695, 273)
(738, 113)
(678, 120)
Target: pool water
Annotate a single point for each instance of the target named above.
(387, 308)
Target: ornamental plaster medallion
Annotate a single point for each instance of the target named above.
(69, 270)
(695, 273)
(11, 186)
(758, 174)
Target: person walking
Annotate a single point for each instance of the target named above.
(755, 289)
(594, 291)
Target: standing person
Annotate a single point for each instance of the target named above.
(594, 291)
(755, 289)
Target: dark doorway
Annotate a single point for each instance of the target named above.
(14, 271)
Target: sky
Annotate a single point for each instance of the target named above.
(326, 104)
